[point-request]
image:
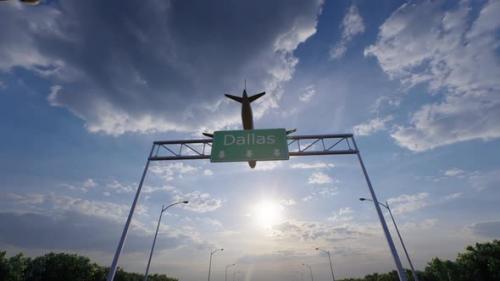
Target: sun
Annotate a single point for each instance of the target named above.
(267, 213)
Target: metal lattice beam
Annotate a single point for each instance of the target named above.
(301, 145)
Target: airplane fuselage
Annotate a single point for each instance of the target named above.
(246, 114)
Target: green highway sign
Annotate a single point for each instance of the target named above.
(247, 145)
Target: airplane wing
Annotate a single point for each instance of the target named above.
(254, 97)
(238, 99)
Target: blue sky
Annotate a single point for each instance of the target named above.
(85, 88)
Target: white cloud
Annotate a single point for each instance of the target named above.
(314, 165)
(454, 172)
(199, 202)
(158, 80)
(27, 198)
(319, 178)
(453, 196)
(319, 231)
(57, 203)
(150, 189)
(208, 172)
(307, 198)
(118, 187)
(169, 171)
(352, 25)
(89, 183)
(372, 126)
(484, 179)
(307, 94)
(84, 186)
(455, 53)
(342, 215)
(268, 165)
(415, 226)
(408, 203)
(326, 191)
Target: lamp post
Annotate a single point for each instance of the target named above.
(163, 209)
(330, 259)
(388, 237)
(386, 205)
(210, 262)
(310, 270)
(225, 273)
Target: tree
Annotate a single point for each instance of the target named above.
(13, 268)
(60, 267)
(480, 262)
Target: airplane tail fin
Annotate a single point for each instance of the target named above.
(235, 98)
(254, 97)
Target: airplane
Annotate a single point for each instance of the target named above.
(246, 115)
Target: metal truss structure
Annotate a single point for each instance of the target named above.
(300, 145)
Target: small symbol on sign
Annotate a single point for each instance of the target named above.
(249, 153)
(221, 154)
(276, 152)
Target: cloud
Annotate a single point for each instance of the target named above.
(199, 202)
(125, 66)
(408, 203)
(454, 51)
(453, 196)
(372, 126)
(75, 231)
(208, 172)
(454, 172)
(268, 165)
(307, 94)
(318, 231)
(169, 171)
(352, 25)
(416, 226)
(319, 178)
(150, 189)
(484, 179)
(342, 215)
(314, 165)
(489, 229)
(118, 187)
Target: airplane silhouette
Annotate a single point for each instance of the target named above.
(246, 115)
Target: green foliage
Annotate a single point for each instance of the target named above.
(480, 262)
(62, 267)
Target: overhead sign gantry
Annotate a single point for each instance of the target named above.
(251, 145)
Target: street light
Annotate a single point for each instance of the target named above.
(386, 205)
(163, 209)
(310, 270)
(227, 266)
(210, 262)
(329, 258)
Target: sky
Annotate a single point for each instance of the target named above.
(87, 86)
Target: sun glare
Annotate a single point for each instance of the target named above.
(267, 213)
